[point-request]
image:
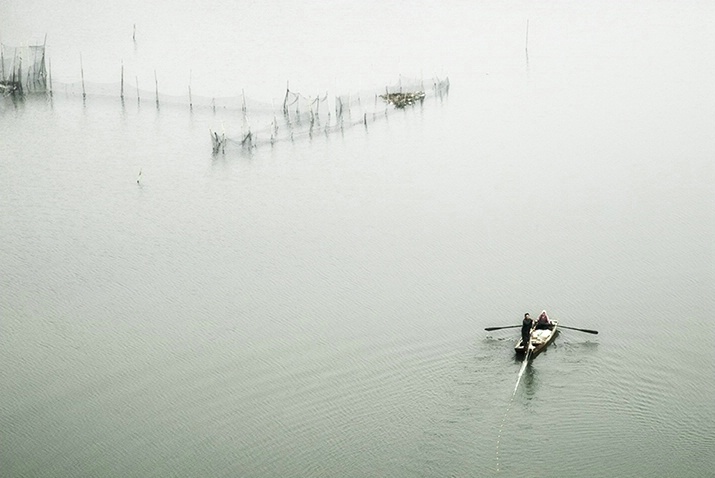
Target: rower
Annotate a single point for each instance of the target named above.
(526, 326)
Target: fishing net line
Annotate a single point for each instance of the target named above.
(250, 122)
(524, 364)
(300, 116)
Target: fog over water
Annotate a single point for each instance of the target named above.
(317, 307)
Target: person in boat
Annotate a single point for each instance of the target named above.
(527, 326)
(543, 322)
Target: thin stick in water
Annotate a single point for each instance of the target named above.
(526, 45)
(81, 70)
(50, 74)
(191, 104)
(156, 86)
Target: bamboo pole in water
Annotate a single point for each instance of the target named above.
(285, 100)
(191, 104)
(81, 70)
(121, 83)
(156, 86)
(19, 75)
(50, 74)
(526, 45)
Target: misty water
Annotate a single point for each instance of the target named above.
(317, 307)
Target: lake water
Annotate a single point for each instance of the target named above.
(317, 308)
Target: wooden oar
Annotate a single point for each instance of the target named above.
(489, 329)
(588, 331)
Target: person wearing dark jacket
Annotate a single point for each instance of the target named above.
(526, 325)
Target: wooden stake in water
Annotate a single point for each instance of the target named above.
(50, 75)
(121, 83)
(285, 100)
(156, 86)
(81, 71)
(43, 73)
(191, 104)
(136, 79)
(19, 74)
(526, 46)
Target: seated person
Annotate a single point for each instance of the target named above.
(543, 322)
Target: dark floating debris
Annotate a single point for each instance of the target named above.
(400, 100)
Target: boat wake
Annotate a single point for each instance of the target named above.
(521, 373)
(511, 400)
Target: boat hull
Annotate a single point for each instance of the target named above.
(540, 339)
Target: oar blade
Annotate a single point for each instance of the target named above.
(489, 329)
(588, 331)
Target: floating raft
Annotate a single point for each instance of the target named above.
(400, 100)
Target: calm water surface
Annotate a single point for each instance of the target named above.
(317, 308)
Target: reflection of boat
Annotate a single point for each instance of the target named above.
(540, 339)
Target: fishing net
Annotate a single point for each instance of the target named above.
(304, 116)
(248, 123)
(22, 69)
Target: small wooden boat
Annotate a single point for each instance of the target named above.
(540, 339)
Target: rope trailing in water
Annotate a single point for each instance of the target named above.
(511, 400)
